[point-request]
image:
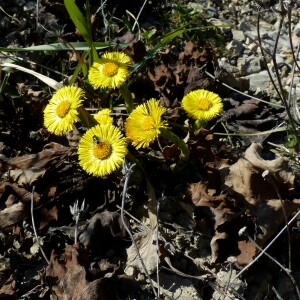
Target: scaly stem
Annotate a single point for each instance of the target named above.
(126, 94)
(86, 118)
(185, 152)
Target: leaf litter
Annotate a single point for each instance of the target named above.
(206, 206)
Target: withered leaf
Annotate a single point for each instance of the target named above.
(13, 214)
(245, 176)
(147, 248)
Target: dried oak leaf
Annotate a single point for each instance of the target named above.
(48, 215)
(201, 195)
(26, 169)
(102, 231)
(269, 217)
(8, 288)
(15, 211)
(145, 242)
(245, 109)
(69, 274)
(71, 279)
(245, 177)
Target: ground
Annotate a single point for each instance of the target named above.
(199, 225)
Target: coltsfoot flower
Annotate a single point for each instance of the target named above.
(110, 71)
(144, 123)
(102, 150)
(103, 116)
(202, 105)
(62, 111)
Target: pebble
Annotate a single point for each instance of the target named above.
(244, 57)
(259, 80)
(234, 48)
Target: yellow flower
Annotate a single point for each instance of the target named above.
(103, 117)
(202, 105)
(62, 111)
(110, 71)
(144, 123)
(102, 150)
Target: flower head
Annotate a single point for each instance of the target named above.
(144, 123)
(202, 105)
(110, 71)
(62, 111)
(102, 150)
(103, 117)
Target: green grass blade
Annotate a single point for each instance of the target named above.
(167, 39)
(78, 20)
(79, 46)
(78, 68)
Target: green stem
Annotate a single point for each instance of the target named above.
(126, 94)
(86, 118)
(185, 152)
(199, 124)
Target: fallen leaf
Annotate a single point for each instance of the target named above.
(9, 288)
(27, 169)
(145, 242)
(245, 177)
(71, 278)
(13, 214)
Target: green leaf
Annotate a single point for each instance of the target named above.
(79, 67)
(78, 20)
(79, 46)
(167, 39)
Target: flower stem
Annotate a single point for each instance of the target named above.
(86, 118)
(185, 152)
(126, 94)
(199, 124)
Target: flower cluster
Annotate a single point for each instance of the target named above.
(103, 147)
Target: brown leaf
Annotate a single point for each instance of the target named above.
(248, 252)
(38, 161)
(201, 196)
(245, 177)
(270, 217)
(244, 109)
(22, 194)
(48, 215)
(171, 152)
(106, 225)
(13, 214)
(25, 177)
(16, 211)
(70, 278)
(9, 288)
(147, 248)
(27, 169)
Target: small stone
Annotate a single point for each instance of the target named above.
(238, 35)
(259, 80)
(248, 66)
(234, 48)
(243, 26)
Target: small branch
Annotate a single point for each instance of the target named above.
(270, 179)
(34, 228)
(241, 93)
(280, 91)
(128, 172)
(267, 247)
(287, 271)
